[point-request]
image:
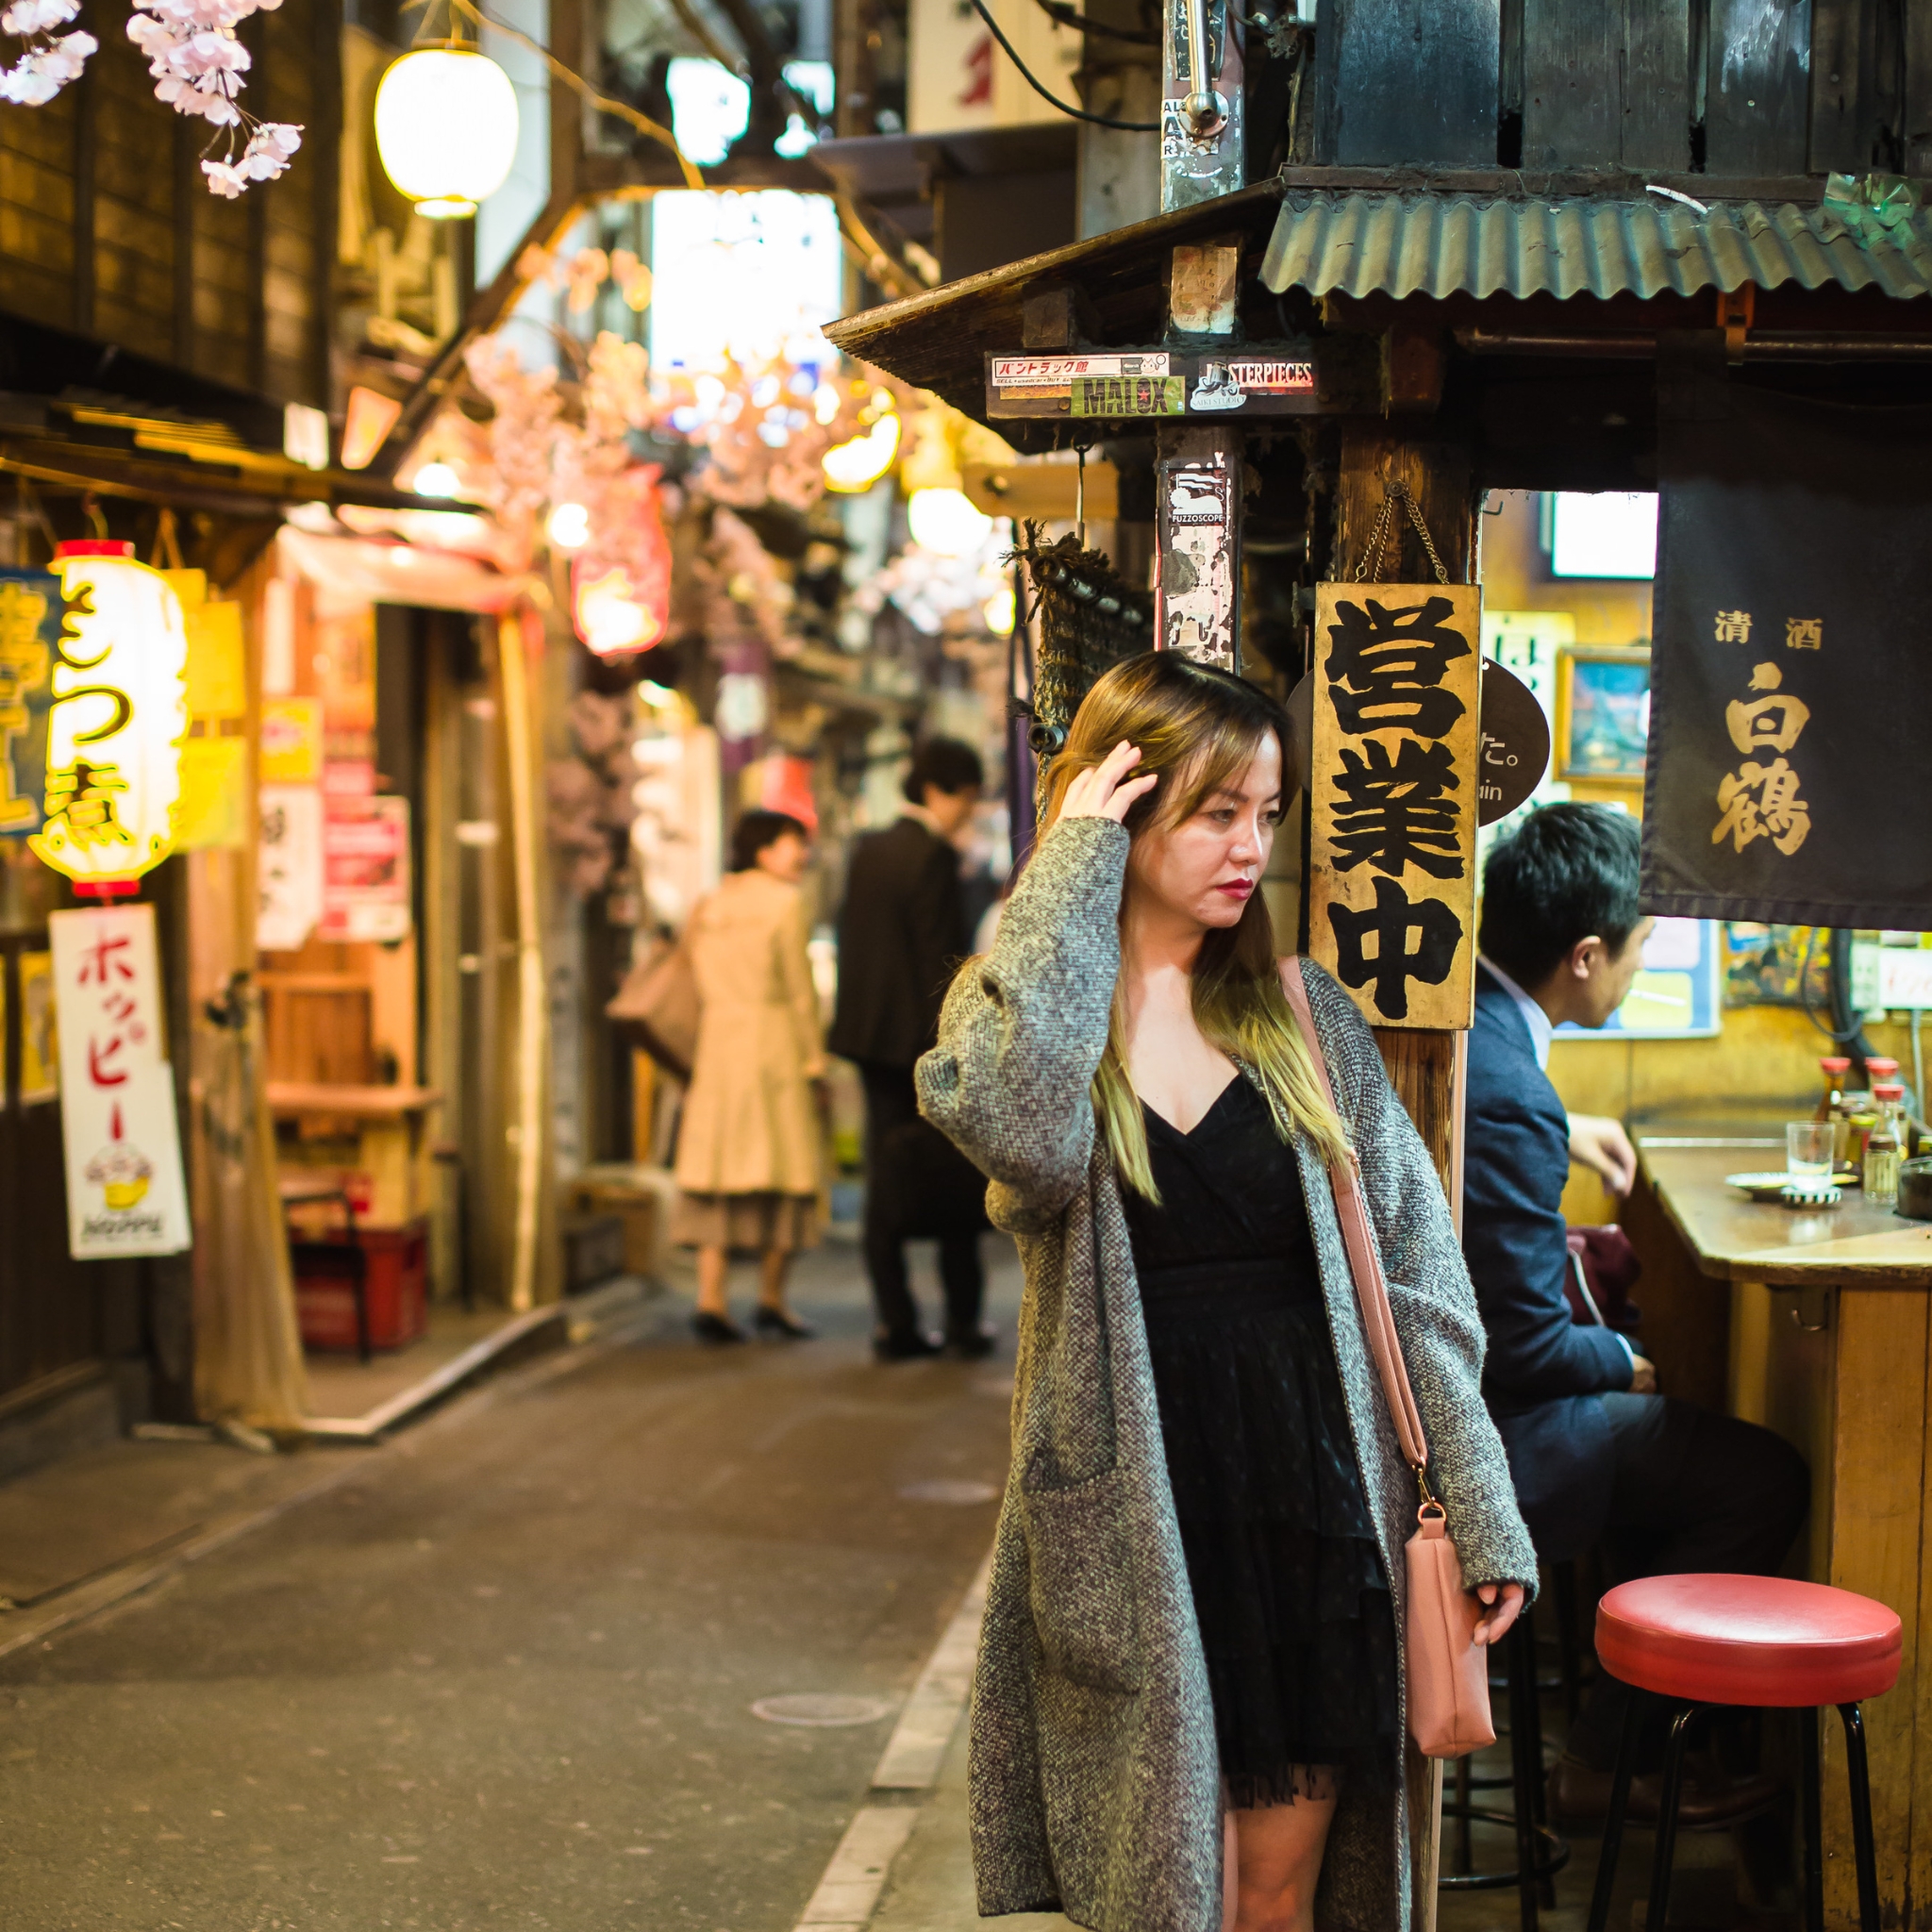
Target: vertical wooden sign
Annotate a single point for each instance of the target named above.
(1392, 798)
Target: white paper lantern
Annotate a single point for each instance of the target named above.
(446, 128)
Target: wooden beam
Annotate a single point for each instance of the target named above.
(327, 18)
(1570, 116)
(1756, 87)
(86, 111)
(187, 185)
(1416, 80)
(1916, 87)
(1654, 78)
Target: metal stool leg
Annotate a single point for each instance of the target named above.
(1527, 1760)
(1667, 1819)
(1811, 1805)
(1539, 1853)
(1538, 1787)
(1614, 1825)
(1864, 1850)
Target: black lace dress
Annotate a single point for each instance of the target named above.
(1295, 1615)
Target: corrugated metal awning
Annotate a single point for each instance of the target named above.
(1391, 243)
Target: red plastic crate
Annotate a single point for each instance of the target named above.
(396, 1260)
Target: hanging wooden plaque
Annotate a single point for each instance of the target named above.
(1392, 793)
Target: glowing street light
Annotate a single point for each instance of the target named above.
(945, 521)
(570, 526)
(853, 467)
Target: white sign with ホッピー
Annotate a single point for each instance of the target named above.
(124, 1189)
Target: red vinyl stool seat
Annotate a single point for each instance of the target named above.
(1762, 1640)
(1748, 1640)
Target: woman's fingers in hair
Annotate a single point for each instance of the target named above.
(1099, 790)
(1123, 796)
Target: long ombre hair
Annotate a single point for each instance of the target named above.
(1199, 729)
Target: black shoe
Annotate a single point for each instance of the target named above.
(715, 1330)
(974, 1345)
(781, 1322)
(1710, 1798)
(905, 1348)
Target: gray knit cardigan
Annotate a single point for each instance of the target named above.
(1095, 1781)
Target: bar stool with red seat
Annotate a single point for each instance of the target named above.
(1764, 1641)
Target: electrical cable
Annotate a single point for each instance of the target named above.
(1052, 100)
(601, 101)
(1847, 1029)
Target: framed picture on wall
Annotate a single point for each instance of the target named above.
(1603, 712)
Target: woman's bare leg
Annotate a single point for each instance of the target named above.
(1278, 1860)
(712, 1266)
(774, 1266)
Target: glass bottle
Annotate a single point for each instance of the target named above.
(1835, 1069)
(1882, 1145)
(1832, 1108)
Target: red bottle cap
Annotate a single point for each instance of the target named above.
(1879, 1068)
(1888, 1090)
(1832, 1064)
(93, 547)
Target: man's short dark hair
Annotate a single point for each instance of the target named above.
(1567, 872)
(757, 830)
(946, 763)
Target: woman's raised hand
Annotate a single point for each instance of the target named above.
(1104, 790)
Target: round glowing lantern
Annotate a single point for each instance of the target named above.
(446, 128)
(854, 466)
(120, 712)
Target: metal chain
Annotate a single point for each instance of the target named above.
(1378, 541)
(1378, 537)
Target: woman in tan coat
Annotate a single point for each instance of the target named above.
(748, 1147)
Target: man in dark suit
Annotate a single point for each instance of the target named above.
(1595, 1452)
(902, 933)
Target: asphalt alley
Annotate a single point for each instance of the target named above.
(504, 1674)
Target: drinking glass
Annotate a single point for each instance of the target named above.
(1807, 1150)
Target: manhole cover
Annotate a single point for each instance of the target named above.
(945, 1490)
(819, 1710)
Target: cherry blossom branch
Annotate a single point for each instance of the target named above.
(197, 63)
(50, 59)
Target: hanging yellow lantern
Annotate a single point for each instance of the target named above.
(446, 128)
(120, 712)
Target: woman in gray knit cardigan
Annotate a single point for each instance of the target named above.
(1188, 1715)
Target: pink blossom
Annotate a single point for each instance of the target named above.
(223, 180)
(36, 16)
(209, 52)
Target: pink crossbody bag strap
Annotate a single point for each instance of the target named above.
(1445, 1672)
(1364, 1264)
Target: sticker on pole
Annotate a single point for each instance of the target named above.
(125, 1194)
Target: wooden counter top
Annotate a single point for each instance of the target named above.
(287, 1097)
(1740, 1239)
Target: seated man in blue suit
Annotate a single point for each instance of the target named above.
(1596, 1453)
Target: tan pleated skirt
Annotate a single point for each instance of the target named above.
(746, 1223)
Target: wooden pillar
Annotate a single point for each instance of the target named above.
(1424, 1067)
(1197, 477)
